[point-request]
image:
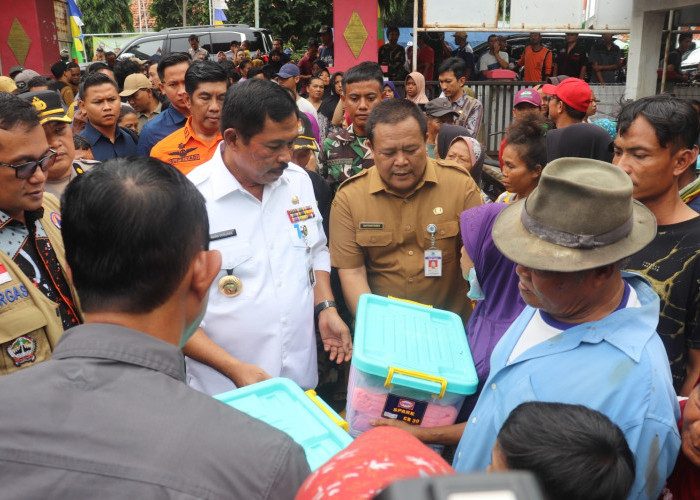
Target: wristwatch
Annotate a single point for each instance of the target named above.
(322, 306)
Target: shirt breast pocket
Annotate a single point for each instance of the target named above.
(376, 245)
(445, 239)
(303, 234)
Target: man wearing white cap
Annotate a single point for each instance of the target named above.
(588, 333)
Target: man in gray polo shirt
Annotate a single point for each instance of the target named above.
(110, 416)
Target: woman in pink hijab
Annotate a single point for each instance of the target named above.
(415, 88)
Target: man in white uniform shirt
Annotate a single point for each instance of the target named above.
(274, 278)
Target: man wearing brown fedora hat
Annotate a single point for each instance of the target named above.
(655, 145)
(588, 333)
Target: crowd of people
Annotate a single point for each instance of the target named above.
(178, 228)
(600, 63)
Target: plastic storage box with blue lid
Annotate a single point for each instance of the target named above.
(305, 417)
(410, 362)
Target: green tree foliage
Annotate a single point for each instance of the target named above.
(398, 12)
(100, 16)
(292, 20)
(168, 13)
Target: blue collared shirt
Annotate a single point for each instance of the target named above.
(160, 127)
(617, 365)
(103, 149)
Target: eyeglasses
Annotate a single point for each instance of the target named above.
(26, 170)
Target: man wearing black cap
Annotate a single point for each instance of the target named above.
(326, 51)
(14, 70)
(60, 138)
(438, 112)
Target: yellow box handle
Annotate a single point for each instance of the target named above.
(416, 374)
(327, 410)
(409, 301)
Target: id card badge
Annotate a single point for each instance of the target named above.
(433, 262)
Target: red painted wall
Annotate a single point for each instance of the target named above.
(342, 10)
(38, 20)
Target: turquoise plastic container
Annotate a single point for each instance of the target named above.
(282, 404)
(410, 362)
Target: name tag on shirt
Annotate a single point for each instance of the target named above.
(371, 225)
(222, 235)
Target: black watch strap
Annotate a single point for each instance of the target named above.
(322, 306)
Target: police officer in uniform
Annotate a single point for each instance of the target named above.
(37, 301)
(59, 135)
(395, 227)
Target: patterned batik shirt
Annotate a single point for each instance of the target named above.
(29, 247)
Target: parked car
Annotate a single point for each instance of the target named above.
(553, 41)
(213, 38)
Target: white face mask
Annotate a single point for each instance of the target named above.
(475, 292)
(192, 328)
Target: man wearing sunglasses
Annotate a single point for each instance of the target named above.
(37, 301)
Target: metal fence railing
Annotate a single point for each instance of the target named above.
(497, 98)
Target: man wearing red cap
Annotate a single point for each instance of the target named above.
(573, 138)
(569, 101)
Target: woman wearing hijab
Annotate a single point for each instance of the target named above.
(415, 88)
(455, 144)
(389, 91)
(331, 100)
(468, 152)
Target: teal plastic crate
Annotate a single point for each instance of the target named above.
(410, 362)
(307, 419)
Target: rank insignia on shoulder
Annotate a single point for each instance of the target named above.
(371, 225)
(300, 214)
(22, 350)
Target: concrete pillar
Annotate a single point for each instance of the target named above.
(645, 40)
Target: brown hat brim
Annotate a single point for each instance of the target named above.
(130, 92)
(526, 249)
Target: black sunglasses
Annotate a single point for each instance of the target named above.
(26, 170)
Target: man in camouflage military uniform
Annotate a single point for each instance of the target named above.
(347, 152)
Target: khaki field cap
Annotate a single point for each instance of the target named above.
(580, 216)
(135, 82)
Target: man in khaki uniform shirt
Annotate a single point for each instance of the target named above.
(37, 300)
(380, 239)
